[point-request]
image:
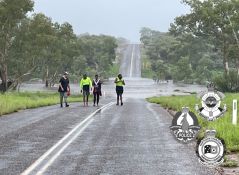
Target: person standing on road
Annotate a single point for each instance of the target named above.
(96, 90)
(119, 88)
(85, 85)
(64, 89)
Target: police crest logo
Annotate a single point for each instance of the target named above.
(185, 126)
(211, 104)
(210, 150)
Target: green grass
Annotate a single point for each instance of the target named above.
(223, 125)
(13, 102)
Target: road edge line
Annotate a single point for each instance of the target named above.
(57, 144)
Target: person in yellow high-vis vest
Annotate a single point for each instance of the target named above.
(119, 81)
(86, 86)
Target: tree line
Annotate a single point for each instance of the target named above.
(36, 47)
(200, 46)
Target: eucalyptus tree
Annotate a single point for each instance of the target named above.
(12, 12)
(211, 19)
(99, 52)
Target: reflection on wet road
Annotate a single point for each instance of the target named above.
(128, 140)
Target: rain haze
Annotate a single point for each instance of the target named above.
(122, 18)
(88, 101)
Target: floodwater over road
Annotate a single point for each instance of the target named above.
(122, 140)
(135, 88)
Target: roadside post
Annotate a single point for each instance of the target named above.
(234, 113)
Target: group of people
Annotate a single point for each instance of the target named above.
(86, 86)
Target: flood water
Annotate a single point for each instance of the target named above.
(136, 87)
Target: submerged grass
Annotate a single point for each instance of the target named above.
(225, 130)
(13, 102)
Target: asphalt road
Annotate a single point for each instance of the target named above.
(131, 64)
(108, 140)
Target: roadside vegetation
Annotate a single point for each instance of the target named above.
(13, 102)
(225, 130)
(200, 46)
(33, 46)
(146, 67)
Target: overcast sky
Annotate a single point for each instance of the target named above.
(120, 18)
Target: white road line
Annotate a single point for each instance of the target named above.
(64, 146)
(153, 112)
(49, 163)
(132, 62)
(139, 64)
(149, 107)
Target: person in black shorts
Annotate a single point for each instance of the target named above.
(119, 88)
(96, 90)
(86, 87)
(64, 87)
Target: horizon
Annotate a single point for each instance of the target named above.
(93, 17)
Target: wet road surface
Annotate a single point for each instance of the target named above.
(131, 62)
(129, 139)
(122, 140)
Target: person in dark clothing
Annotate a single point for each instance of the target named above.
(97, 89)
(64, 88)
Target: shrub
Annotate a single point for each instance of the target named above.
(227, 83)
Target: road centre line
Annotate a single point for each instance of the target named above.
(58, 153)
(132, 61)
(61, 145)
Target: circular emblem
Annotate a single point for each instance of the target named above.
(210, 150)
(185, 126)
(211, 102)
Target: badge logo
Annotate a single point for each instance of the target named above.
(211, 102)
(210, 150)
(185, 126)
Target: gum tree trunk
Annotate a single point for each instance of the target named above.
(3, 76)
(225, 58)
